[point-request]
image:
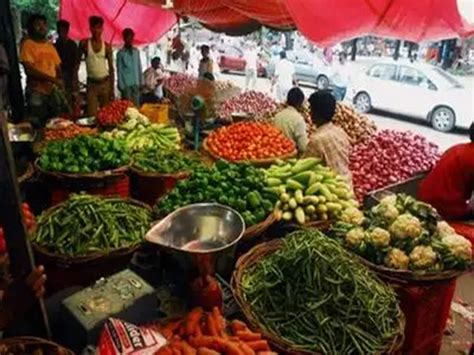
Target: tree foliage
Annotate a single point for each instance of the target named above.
(48, 8)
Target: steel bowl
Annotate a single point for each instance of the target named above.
(200, 237)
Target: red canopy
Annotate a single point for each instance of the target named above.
(149, 23)
(324, 22)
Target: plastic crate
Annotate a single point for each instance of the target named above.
(110, 186)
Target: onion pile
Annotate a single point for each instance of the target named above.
(390, 157)
(252, 103)
(358, 127)
(178, 84)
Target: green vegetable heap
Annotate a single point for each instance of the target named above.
(139, 135)
(86, 224)
(308, 190)
(313, 295)
(165, 162)
(83, 154)
(403, 233)
(240, 186)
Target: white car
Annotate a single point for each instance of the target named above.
(415, 89)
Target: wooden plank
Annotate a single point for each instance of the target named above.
(16, 234)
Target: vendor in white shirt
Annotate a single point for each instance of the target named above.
(283, 77)
(153, 77)
(251, 65)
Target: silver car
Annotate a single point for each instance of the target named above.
(415, 89)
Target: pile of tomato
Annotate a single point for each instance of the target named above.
(28, 219)
(249, 141)
(114, 113)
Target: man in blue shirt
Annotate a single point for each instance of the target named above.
(129, 69)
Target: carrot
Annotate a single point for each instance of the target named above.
(176, 351)
(259, 345)
(232, 348)
(168, 334)
(198, 330)
(211, 325)
(188, 349)
(266, 353)
(192, 320)
(248, 336)
(206, 342)
(219, 320)
(247, 350)
(237, 325)
(164, 350)
(171, 326)
(206, 351)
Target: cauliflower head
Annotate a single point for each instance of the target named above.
(397, 259)
(406, 226)
(352, 215)
(423, 257)
(379, 237)
(444, 229)
(389, 200)
(458, 246)
(388, 211)
(355, 236)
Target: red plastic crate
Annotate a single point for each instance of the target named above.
(112, 186)
(426, 308)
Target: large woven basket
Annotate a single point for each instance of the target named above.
(253, 257)
(256, 162)
(31, 345)
(411, 277)
(65, 271)
(255, 231)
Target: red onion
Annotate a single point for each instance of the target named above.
(390, 157)
(178, 84)
(253, 103)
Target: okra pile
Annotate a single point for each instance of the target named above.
(86, 224)
(315, 296)
(240, 186)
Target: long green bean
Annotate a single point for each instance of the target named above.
(316, 296)
(86, 224)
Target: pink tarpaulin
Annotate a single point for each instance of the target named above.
(328, 22)
(149, 22)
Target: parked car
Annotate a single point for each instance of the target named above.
(309, 68)
(414, 89)
(232, 59)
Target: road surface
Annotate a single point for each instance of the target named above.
(383, 120)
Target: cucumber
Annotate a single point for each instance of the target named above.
(287, 216)
(311, 200)
(310, 209)
(294, 185)
(299, 215)
(284, 197)
(292, 203)
(299, 196)
(303, 178)
(321, 208)
(313, 188)
(305, 164)
(274, 182)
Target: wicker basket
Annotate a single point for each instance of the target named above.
(410, 277)
(26, 175)
(149, 187)
(254, 256)
(257, 162)
(255, 231)
(106, 183)
(65, 271)
(31, 345)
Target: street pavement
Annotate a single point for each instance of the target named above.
(384, 120)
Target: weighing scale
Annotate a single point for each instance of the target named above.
(201, 238)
